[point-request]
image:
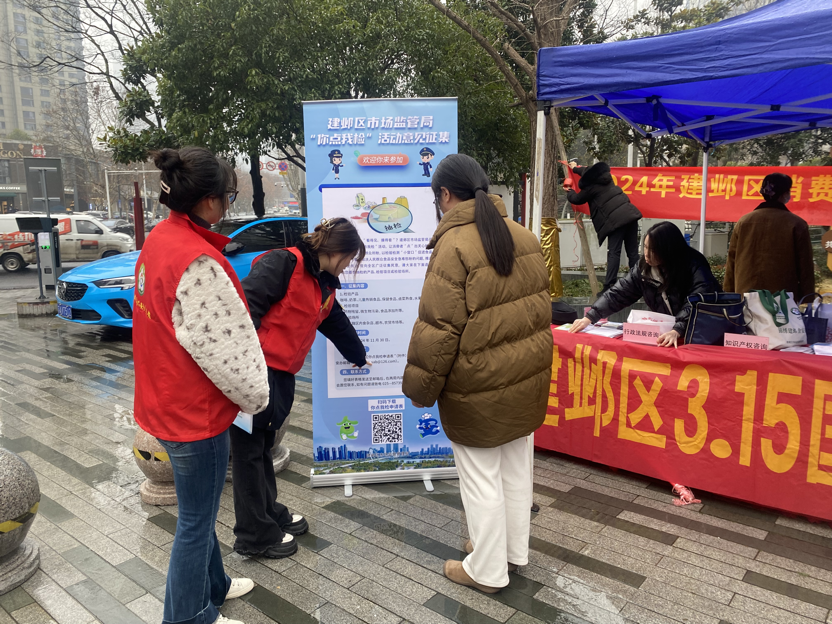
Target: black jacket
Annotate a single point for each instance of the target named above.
(265, 286)
(635, 285)
(609, 206)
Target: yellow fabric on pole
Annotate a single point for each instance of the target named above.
(550, 243)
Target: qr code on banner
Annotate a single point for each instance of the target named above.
(387, 429)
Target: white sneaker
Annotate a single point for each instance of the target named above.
(239, 587)
(224, 620)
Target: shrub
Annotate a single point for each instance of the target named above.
(717, 264)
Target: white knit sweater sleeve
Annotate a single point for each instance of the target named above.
(214, 327)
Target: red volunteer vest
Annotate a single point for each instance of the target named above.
(287, 331)
(174, 400)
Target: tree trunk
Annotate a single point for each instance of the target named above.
(548, 203)
(258, 196)
(558, 149)
(587, 253)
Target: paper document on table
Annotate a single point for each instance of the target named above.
(594, 330)
(822, 348)
(607, 332)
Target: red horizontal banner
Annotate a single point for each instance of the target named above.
(755, 426)
(676, 192)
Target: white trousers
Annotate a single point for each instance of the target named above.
(495, 484)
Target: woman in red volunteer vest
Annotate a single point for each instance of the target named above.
(291, 295)
(198, 363)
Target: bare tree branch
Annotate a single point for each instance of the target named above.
(512, 22)
(521, 62)
(512, 80)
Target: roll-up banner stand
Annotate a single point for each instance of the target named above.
(371, 161)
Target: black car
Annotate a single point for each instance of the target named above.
(122, 226)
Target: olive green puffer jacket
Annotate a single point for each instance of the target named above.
(482, 345)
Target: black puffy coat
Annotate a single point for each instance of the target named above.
(609, 206)
(636, 285)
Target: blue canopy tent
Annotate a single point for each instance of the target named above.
(765, 72)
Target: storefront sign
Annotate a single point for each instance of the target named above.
(676, 192)
(752, 425)
(371, 161)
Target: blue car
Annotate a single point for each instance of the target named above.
(101, 292)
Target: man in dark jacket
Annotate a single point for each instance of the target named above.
(612, 214)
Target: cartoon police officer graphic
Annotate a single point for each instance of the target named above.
(427, 155)
(336, 158)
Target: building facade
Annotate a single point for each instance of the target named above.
(27, 93)
(13, 195)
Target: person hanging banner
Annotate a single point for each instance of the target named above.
(676, 192)
(371, 161)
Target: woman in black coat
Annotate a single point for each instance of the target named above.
(612, 214)
(668, 273)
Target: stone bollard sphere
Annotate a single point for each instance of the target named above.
(152, 459)
(280, 454)
(19, 500)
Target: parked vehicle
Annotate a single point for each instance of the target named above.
(122, 226)
(102, 292)
(82, 238)
(16, 252)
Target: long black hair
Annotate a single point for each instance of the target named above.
(669, 247)
(465, 179)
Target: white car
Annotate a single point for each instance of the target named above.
(82, 238)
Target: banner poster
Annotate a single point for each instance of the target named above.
(749, 424)
(371, 161)
(676, 192)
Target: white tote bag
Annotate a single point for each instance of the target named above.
(776, 317)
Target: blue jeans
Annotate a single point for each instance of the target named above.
(197, 583)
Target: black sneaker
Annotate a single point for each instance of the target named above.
(286, 548)
(298, 525)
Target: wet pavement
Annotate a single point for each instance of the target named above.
(607, 547)
(28, 277)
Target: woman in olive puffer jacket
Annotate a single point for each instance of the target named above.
(482, 347)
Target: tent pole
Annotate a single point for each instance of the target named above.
(704, 201)
(540, 156)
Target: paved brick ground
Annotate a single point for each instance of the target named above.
(607, 547)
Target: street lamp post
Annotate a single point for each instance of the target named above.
(107, 185)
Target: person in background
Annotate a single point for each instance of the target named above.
(613, 216)
(197, 364)
(291, 295)
(770, 246)
(482, 347)
(667, 274)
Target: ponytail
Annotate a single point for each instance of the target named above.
(495, 235)
(465, 179)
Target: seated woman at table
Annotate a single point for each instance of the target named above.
(666, 275)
